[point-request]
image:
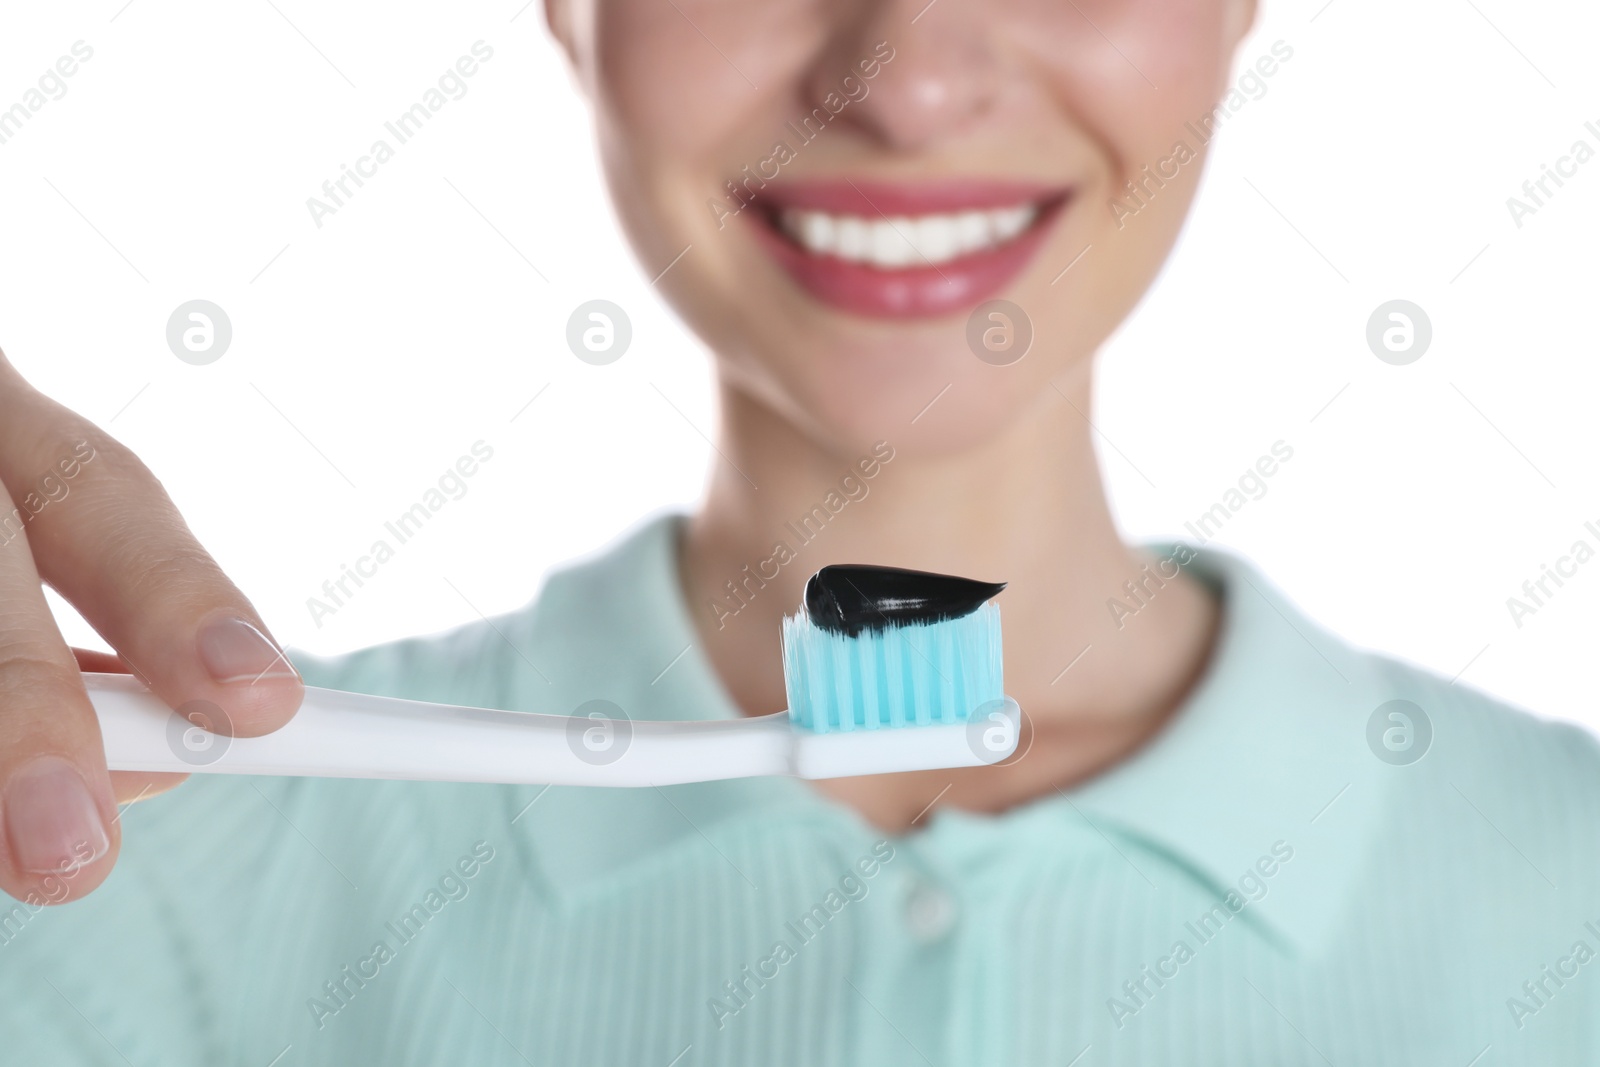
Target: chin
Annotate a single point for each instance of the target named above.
(944, 405)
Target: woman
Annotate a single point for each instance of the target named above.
(1231, 838)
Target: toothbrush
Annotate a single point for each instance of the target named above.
(885, 670)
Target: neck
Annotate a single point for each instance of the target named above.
(1027, 508)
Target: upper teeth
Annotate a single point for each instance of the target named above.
(901, 242)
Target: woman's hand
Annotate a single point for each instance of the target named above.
(79, 511)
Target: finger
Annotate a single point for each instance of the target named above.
(131, 787)
(56, 803)
(106, 535)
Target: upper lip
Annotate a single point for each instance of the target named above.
(873, 197)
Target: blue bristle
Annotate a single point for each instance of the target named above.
(912, 675)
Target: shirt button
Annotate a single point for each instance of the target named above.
(930, 912)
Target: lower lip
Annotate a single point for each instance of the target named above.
(918, 292)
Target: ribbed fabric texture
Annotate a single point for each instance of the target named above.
(1331, 907)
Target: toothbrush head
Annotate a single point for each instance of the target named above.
(880, 648)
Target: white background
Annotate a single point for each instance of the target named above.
(370, 354)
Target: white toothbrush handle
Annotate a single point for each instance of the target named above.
(354, 735)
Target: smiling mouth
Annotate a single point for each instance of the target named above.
(906, 241)
(905, 250)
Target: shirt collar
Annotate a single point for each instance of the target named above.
(1270, 747)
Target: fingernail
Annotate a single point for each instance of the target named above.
(51, 818)
(235, 651)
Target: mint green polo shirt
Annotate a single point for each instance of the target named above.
(1275, 879)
